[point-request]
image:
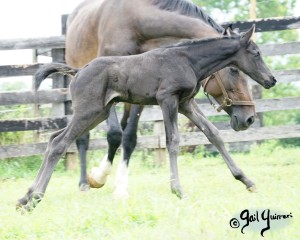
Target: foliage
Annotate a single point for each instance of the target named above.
(287, 117)
(18, 112)
(23, 167)
(239, 9)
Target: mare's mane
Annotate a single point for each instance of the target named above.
(189, 9)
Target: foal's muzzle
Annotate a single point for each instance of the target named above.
(270, 83)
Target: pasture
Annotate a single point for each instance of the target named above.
(151, 211)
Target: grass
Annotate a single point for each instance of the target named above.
(151, 211)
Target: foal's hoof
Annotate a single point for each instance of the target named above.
(27, 205)
(84, 187)
(22, 209)
(93, 183)
(252, 189)
(178, 193)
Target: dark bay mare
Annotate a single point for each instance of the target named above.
(126, 27)
(169, 77)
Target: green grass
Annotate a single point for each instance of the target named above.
(152, 212)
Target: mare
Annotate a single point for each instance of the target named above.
(169, 77)
(126, 27)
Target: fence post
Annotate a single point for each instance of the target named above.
(62, 109)
(161, 152)
(35, 107)
(256, 90)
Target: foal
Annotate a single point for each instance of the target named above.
(169, 77)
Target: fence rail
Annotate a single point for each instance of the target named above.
(158, 141)
(149, 115)
(60, 96)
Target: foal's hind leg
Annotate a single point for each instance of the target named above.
(23, 201)
(58, 144)
(98, 175)
(192, 111)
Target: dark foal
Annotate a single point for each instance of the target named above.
(127, 27)
(169, 77)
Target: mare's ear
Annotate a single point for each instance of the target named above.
(246, 37)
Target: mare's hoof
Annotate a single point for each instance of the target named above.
(121, 194)
(93, 183)
(252, 189)
(84, 187)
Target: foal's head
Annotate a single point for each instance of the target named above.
(236, 98)
(249, 60)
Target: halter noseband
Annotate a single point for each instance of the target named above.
(227, 102)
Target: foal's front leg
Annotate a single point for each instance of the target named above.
(191, 110)
(169, 106)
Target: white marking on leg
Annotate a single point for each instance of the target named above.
(121, 183)
(99, 174)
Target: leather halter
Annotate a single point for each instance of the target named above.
(227, 102)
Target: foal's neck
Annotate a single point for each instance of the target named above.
(210, 55)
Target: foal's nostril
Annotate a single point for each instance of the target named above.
(250, 120)
(274, 80)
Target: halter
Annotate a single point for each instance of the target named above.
(227, 102)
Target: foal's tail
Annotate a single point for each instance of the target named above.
(48, 69)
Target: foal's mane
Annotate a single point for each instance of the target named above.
(189, 9)
(192, 42)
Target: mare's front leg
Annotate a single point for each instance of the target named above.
(169, 106)
(192, 111)
(129, 141)
(98, 176)
(82, 144)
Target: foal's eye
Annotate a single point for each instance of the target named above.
(234, 70)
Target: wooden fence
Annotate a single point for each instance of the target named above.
(59, 97)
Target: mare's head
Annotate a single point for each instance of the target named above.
(249, 60)
(229, 87)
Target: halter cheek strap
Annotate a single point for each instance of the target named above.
(227, 102)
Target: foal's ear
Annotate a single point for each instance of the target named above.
(228, 31)
(246, 37)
